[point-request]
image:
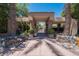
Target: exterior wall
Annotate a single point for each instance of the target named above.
(25, 19)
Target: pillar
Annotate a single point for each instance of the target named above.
(48, 24)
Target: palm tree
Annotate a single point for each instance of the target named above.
(21, 9)
(67, 29)
(12, 19)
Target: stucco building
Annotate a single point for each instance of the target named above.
(49, 19)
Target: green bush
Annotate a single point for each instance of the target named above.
(26, 33)
(31, 31)
(51, 31)
(24, 26)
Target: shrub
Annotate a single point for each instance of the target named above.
(51, 31)
(26, 33)
(23, 26)
(31, 31)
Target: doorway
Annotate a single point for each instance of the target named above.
(41, 28)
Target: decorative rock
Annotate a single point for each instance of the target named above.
(1, 49)
(68, 45)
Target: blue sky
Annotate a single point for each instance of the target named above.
(47, 7)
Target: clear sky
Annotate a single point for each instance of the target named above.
(47, 7)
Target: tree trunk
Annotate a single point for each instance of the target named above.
(67, 30)
(12, 19)
(78, 27)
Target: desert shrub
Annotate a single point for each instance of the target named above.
(31, 31)
(23, 26)
(51, 31)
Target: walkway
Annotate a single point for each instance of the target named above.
(43, 47)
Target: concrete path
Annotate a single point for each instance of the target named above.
(42, 50)
(30, 46)
(59, 50)
(43, 47)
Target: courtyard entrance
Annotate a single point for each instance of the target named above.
(41, 29)
(41, 21)
(41, 26)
